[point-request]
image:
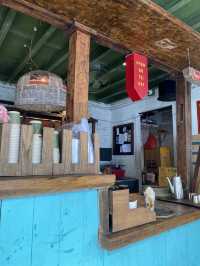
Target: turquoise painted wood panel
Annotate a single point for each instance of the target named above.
(16, 223)
(46, 231)
(62, 230)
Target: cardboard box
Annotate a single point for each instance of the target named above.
(159, 157)
(165, 157)
(151, 158)
(165, 172)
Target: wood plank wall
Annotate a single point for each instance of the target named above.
(62, 230)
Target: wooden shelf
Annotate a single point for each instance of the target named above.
(183, 215)
(31, 185)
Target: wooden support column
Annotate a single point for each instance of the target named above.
(184, 131)
(78, 76)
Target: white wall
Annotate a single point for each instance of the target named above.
(103, 114)
(7, 92)
(127, 111)
(123, 112)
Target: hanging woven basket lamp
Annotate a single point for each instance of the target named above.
(41, 91)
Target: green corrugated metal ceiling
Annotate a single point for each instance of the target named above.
(27, 43)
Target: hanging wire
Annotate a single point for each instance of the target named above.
(30, 62)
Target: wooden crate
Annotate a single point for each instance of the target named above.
(122, 216)
(24, 167)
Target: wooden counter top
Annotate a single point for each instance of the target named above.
(183, 215)
(31, 185)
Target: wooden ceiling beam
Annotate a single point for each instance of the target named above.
(113, 85)
(66, 22)
(28, 37)
(97, 36)
(34, 51)
(119, 67)
(178, 5)
(100, 57)
(33, 10)
(196, 26)
(122, 81)
(123, 90)
(7, 25)
(58, 62)
(116, 37)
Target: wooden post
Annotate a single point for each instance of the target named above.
(78, 76)
(184, 132)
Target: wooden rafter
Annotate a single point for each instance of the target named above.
(123, 92)
(180, 4)
(101, 56)
(6, 25)
(137, 25)
(122, 82)
(58, 62)
(117, 68)
(34, 51)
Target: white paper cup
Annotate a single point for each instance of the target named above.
(133, 204)
(56, 155)
(13, 143)
(195, 199)
(37, 149)
(14, 117)
(75, 151)
(37, 126)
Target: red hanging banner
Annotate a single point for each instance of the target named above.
(136, 76)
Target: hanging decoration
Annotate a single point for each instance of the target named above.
(136, 76)
(192, 75)
(41, 91)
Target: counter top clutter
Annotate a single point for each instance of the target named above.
(182, 215)
(134, 217)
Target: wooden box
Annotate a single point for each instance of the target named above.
(122, 216)
(24, 167)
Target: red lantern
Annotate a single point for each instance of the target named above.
(136, 76)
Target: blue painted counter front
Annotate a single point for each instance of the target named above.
(62, 230)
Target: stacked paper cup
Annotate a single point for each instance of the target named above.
(37, 141)
(75, 150)
(56, 150)
(14, 137)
